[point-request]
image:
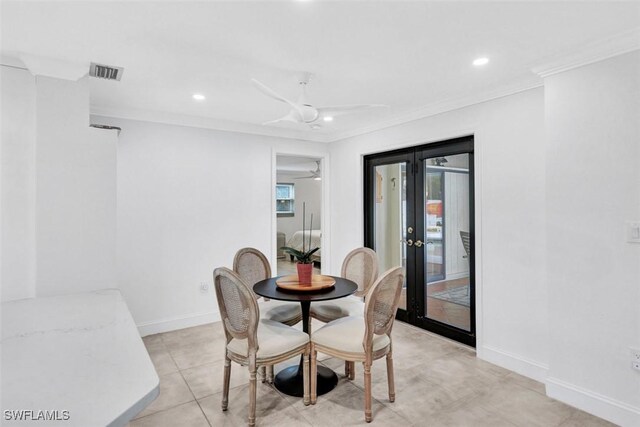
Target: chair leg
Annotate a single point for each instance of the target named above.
(347, 366)
(352, 370)
(305, 378)
(263, 373)
(390, 380)
(270, 374)
(252, 393)
(225, 383)
(367, 392)
(313, 375)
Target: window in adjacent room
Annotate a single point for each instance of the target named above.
(285, 197)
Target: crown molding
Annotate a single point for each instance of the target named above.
(618, 44)
(444, 106)
(54, 67)
(248, 128)
(206, 123)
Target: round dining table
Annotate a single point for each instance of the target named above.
(289, 380)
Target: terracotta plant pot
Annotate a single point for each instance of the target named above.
(304, 272)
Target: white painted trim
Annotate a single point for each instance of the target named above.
(326, 201)
(444, 106)
(428, 110)
(453, 276)
(177, 322)
(513, 362)
(206, 123)
(54, 67)
(601, 406)
(478, 150)
(600, 50)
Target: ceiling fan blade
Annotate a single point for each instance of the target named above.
(293, 117)
(272, 94)
(347, 109)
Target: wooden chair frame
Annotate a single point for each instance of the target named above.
(248, 330)
(373, 325)
(243, 254)
(363, 288)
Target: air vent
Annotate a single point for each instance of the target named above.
(105, 71)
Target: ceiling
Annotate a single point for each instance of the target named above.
(407, 55)
(294, 165)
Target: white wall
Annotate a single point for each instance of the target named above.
(75, 192)
(456, 212)
(18, 123)
(509, 142)
(58, 189)
(306, 190)
(593, 187)
(188, 199)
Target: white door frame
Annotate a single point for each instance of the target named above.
(325, 223)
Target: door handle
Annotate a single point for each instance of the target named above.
(408, 242)
(419, 243)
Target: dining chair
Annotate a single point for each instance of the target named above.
(361, 266)
(253, 266)
(363, 339)
(251, 341)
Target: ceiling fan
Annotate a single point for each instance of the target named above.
(303, 112)
(316, 174)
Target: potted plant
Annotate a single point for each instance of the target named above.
(303, 257)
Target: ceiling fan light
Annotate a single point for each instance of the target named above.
(327, 118)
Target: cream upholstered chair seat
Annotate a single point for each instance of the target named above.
(275, 338)
(349, 306)
(285, 312)
(347, 335)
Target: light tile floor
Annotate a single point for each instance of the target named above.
(438, 383)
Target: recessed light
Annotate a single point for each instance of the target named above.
(480, 62)
(328, 119)
(198, 97)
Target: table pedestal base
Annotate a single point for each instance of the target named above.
(289, 380)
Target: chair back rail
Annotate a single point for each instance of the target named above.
(238, 307)
(252, 266)
(361, 266)
(381, 305)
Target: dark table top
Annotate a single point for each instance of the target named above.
(268, 289)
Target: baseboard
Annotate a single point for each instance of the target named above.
(513, 362)
(456, 276)
(601, 406)
(178, 322)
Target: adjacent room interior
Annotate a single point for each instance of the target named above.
(298, 196)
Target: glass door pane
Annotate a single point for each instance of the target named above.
(390, 219)
(447, 227)
(419, 215)
(434, 225)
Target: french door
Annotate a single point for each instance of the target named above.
(419, 215)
